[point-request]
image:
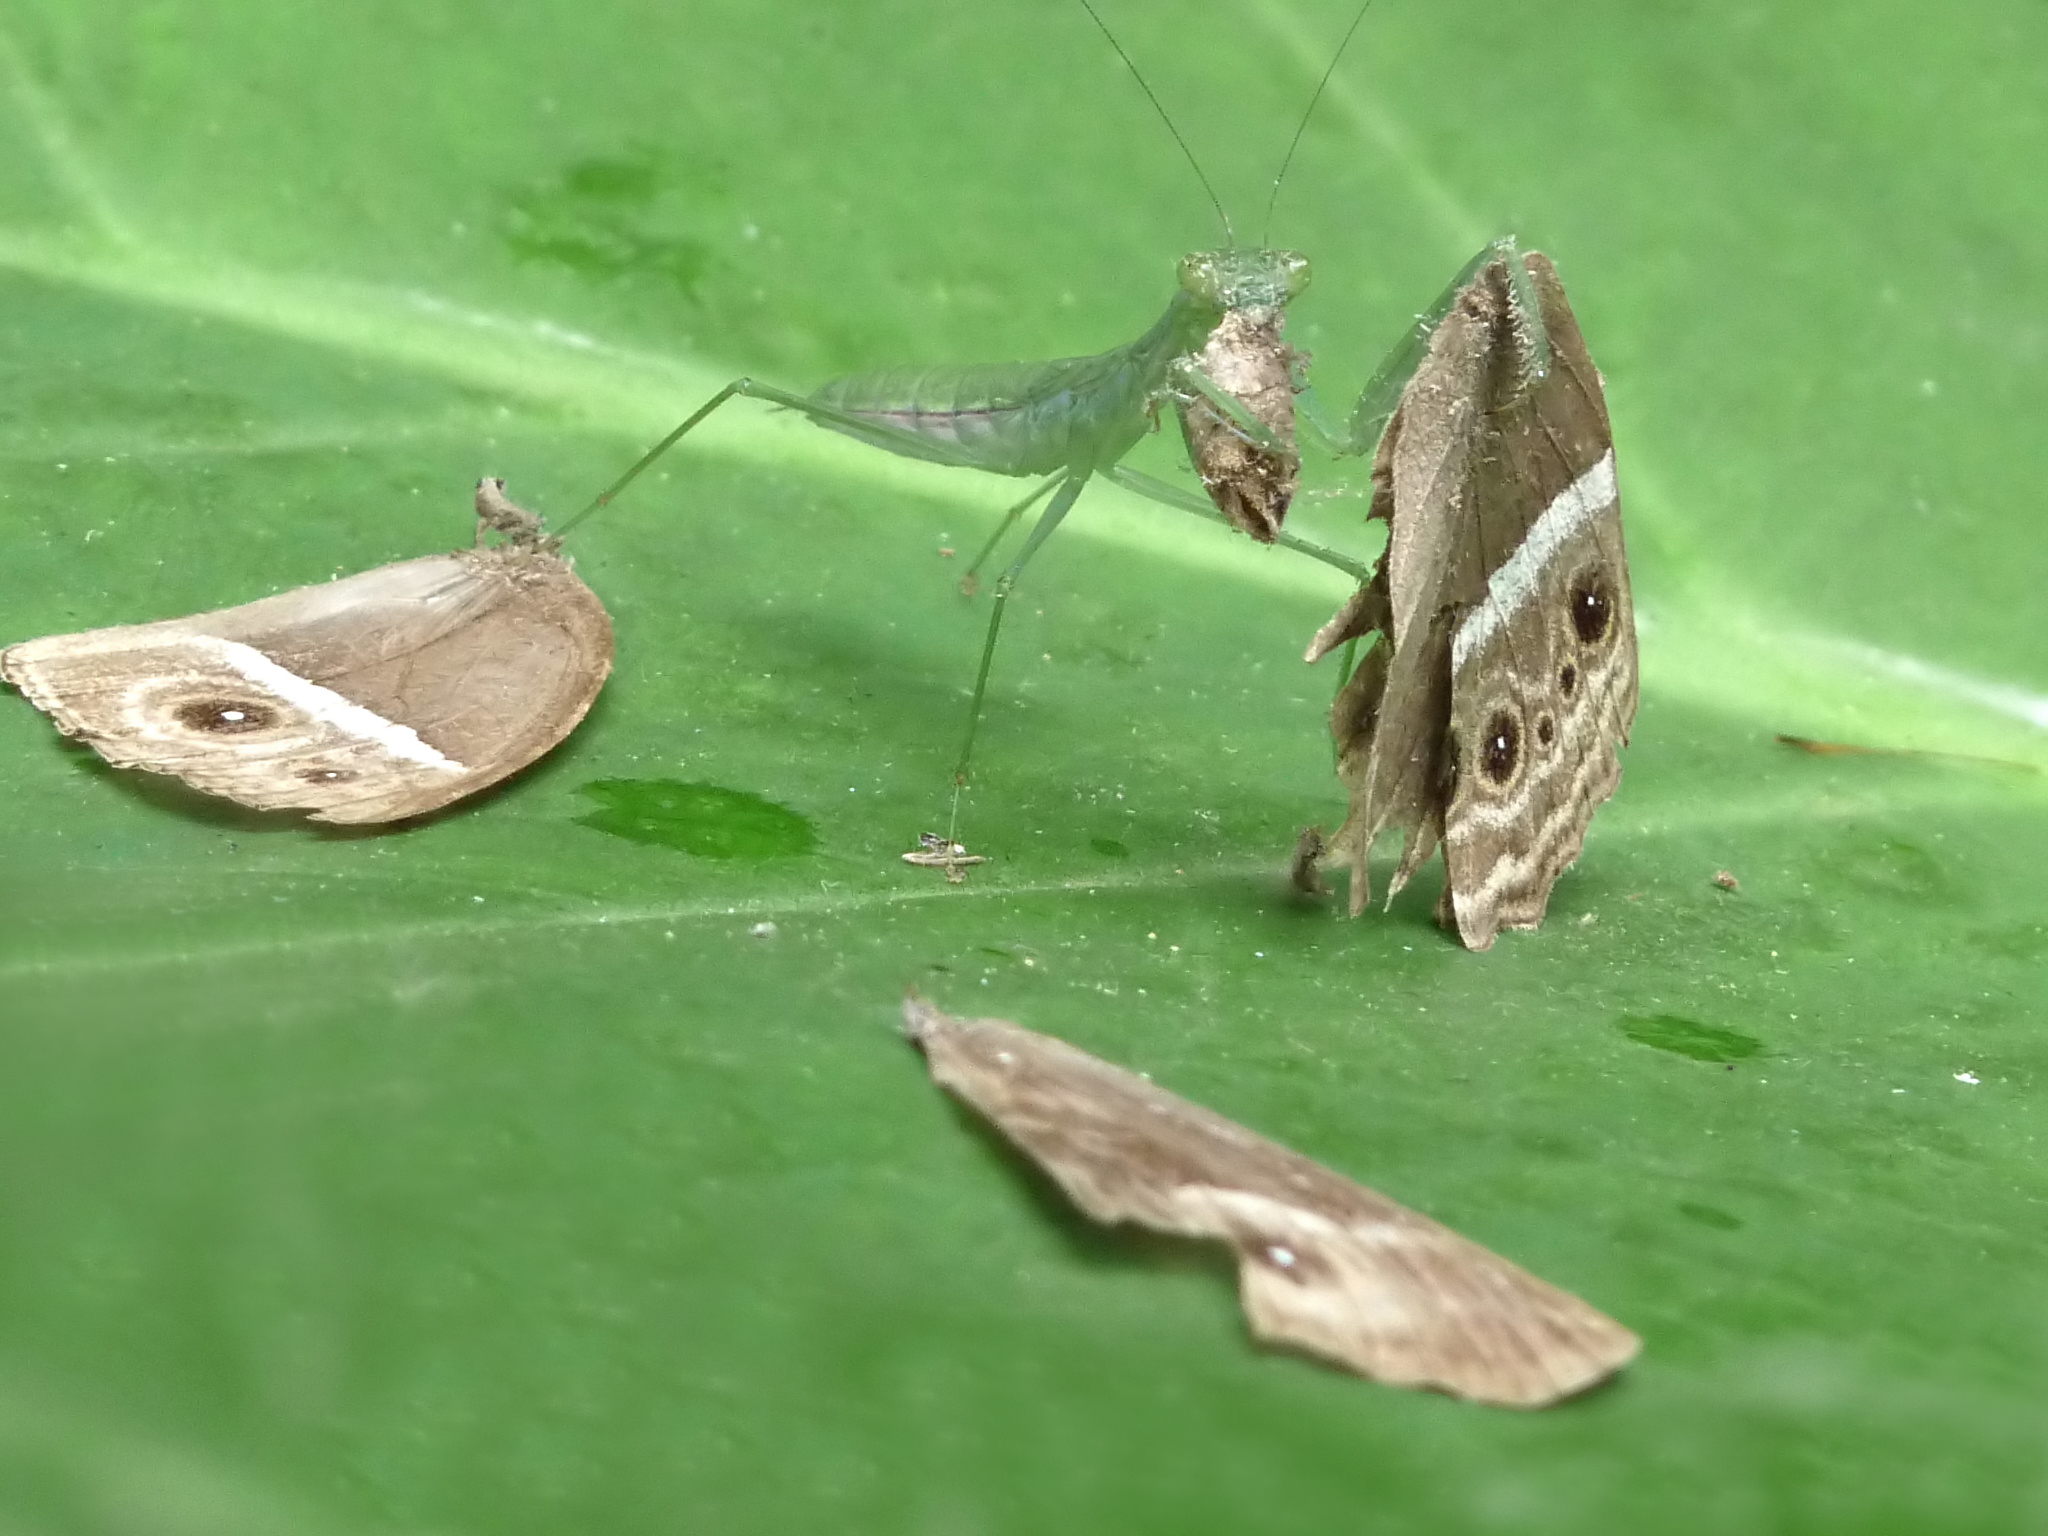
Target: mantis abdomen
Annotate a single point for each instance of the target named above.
(1074, 415)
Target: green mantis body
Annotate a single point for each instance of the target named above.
(1069, 420)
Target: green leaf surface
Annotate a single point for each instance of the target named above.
(554, 1165)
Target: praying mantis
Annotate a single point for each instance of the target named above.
(1216, 357)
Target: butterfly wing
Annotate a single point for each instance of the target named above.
(382, 696)
(1323, 1264)
(1543, 664)
(1391, 716)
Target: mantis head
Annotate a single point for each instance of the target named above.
(1243, 278)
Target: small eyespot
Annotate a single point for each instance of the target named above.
(1545, 731)
(1500, 747)
(1567, 679)
(1592, 606)
(328, 775)
(225, 717)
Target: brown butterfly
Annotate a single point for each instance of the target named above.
(1488, 714)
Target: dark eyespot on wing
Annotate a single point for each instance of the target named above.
(1567, 679)
(1500, 747)
(1592, 602)
(224, 716)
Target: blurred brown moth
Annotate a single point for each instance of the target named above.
(1324, 1264)
(1488, 715)
(371, 699)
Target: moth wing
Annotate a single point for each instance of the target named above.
(1323, 1263)
(381, 696)
(1543, 665)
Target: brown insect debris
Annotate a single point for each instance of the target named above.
(1252, 485)
(1851, 749)
(1302, 871)
(936, 852)
(1324, 1264)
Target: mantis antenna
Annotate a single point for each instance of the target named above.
(1301, 127)
(1229, 235)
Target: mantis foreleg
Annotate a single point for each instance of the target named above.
(1382, 394)
(1191, 382)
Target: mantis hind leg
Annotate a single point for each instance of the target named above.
(1056, 510)
(860, 427)
(737, 387)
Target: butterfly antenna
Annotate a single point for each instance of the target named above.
(1302, 127)
(1229, 235)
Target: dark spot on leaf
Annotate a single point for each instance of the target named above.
(1887, 866)
(703, 819)
(1709, 1216)
(1686, 1037)
(2023, 941)
(1109, 847)
(225, 717)
(1547, 1144)
(1592, 602)
(1500, 747)
(632, 179)
(609, 218)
